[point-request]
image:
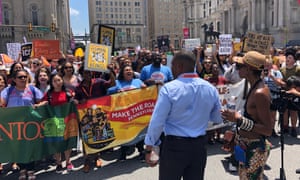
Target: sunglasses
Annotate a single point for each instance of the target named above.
(68, 67)
(206, 62)
(36, 63)
(22, 77)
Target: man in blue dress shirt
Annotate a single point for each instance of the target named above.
(183, 109)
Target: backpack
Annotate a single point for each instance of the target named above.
(11, 88)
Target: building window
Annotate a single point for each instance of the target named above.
(34, 14)
(5, 14)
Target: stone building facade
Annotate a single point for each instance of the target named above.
(17, 14)
(165, 18)
(279, 18)
(127, 17)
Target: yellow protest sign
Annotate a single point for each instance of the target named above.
(97, 57)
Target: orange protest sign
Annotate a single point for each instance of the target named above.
(48, 48)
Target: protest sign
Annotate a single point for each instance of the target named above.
(26, 49)
(225, 47)
(50, 49)
(97, 57)
(13, 50)
(258, 42)
(117, 119)
(190, 44)
(38, 132)
(106, 35)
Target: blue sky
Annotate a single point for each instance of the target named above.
(79, 16)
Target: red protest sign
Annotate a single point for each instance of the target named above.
(47, 48)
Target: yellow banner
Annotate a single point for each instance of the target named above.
(117, 119)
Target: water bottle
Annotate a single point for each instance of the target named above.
(231, 103)
(154, 154)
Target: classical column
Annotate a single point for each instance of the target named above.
(253, 4)
(233, 20)
(223, 22)
(263, 15)
(275, 13)
(280, 13)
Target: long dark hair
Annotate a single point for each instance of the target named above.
(12, 67)
(4, 78)
(121, 73)
(63, 88)
(14, 76)
(64, 65)
(36, 77)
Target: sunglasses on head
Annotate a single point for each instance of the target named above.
(35, 63)
(22, 77)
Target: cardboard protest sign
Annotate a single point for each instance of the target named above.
(47, 48)
(225, 47)
(258, 42)
(13, 50)
(97, 57)
(26, 49)
(190, 44)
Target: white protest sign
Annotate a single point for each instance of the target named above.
(13, 50)
(225, 47)
(191, 44)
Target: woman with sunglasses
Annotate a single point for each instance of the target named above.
(70, 79)
(20, 93)
(34, 65)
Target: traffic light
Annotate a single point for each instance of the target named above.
(30, 26)
(53, 27)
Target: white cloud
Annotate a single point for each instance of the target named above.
(74, 12)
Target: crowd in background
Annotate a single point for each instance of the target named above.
(32, 82)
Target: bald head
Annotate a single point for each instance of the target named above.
(183, 62)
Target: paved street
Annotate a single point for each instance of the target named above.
(133, 169)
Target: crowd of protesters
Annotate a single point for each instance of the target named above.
(67, 78)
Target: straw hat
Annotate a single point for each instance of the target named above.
(253, 59)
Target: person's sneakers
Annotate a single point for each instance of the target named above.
(59, 168)
(70, 167)
(231, 167)
(298, 171)
(294, 132)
